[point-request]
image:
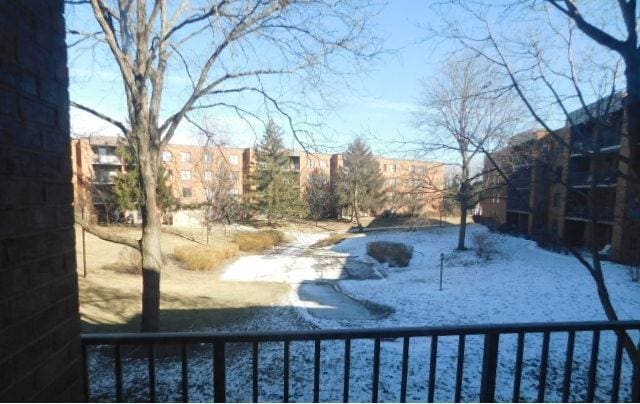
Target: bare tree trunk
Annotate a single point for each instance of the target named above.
(462, 233)
(150, 243)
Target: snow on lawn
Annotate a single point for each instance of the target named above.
(522, 283)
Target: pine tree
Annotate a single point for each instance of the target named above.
(360, 181)
(278, 190)
(126, 194)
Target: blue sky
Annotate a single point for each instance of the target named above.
(377, 105)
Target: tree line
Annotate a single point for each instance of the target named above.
(275, 192)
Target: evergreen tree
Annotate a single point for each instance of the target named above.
(278, 190)
(360, 181)
(126, 193)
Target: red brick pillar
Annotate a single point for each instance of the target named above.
(39, 322)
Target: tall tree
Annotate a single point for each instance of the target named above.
(217, 47)
(546, 49)
(462, 115)
(278, 189)
(360, 180)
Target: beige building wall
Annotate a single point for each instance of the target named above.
(193, 168)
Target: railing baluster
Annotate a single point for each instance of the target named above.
(285, 370)
(489, 367)
(517, 377)
(347, 369)
(617, 367)
(255, 371)
(185, 373)
(460, 368)
(152, 373)
(85, 371)
(118, 363)
(219, 373)
(568, 366)
(635, 376)
(376, 371)
(593, 367)
(405, 369)
(432, 367)
(544, 362)
(316, 372)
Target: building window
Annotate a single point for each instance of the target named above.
(166, 156)
(233, 160)
(393, 168)
(208, 176)
(234, 191)
(208, 193)
(384, 167)
(554, 226)
(185, 175)
(556, 200)
(207, 157)
(186, 192)
(235, 175)
(413, 169)
(311, 163)
(323, 163)
(558, 174)
(185, 157)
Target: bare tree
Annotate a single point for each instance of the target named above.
(219, 183)
(585, 37)
(463, 114)
(229, 51)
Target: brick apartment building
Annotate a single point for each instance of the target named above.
(410, 184)
(550, 184)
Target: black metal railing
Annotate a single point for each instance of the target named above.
(98, 344)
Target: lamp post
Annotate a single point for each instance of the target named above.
(441, 268)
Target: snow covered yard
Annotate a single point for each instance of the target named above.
(522, 283)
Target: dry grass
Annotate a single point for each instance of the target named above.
(258, 240)
(396, 254)
(333, 239)
(205, 257)
(129, 262)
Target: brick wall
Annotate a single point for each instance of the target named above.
(39, 323)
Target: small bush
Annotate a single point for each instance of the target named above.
(333, 239)
(485, 245)
(258, 240)
(205, 257)
(395, 254)
(129, 262)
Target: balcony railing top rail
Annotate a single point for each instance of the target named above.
(488, 367)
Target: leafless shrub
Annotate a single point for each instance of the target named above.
(485, 244)
(395, 254)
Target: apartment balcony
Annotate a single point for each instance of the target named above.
(583, 140)
(518, 201)
(108, 159)
(581, 212)
(584, 179)
(521, 178)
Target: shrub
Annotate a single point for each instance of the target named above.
(485, 245)
(395, 254)
(205, 257)
(129, 262)
(258, 240)
(333, 239)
